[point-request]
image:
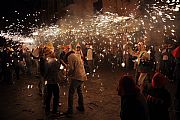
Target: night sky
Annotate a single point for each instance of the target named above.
(13, 10)
(7, 6)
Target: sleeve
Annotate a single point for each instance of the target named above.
(147, 55)
(167, 99)
(45, 70)
(71, 65)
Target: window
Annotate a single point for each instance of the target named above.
(98, 5)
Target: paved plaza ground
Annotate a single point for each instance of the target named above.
(21, 101)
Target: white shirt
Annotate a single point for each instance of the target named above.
(89, 54)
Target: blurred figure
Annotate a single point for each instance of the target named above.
(35, 55)
(28, 61)
(176, 55)
(65, 50)
(63, 63)
(164, 61)
(143, 62)
(7, 66)
(89, 58)
(133, 103)
(77, 77)
(159, 99)
(79, 52)
(42, 61)
(167, 63)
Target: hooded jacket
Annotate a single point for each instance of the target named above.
(76, 68)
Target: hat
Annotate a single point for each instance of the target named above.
(78, 45)
(50, 46)
(41, 46)
(67, 55)
(158, 80)
(66, 47)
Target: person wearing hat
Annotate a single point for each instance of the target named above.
(63, 63)
(159, 98)
(79, 52)
(77, 77)
(142, 64)
(89, 58)
(51, 78)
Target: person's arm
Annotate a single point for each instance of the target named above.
(145, 56)
(71, 65)
(63, 63)
(131, 52)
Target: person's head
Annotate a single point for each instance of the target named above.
(127, 86)
(87, 46)
(141, 46)
(158, 80)
(165, 45)
(66, 48)
(78, 48)
(48, 52)
(67, 55)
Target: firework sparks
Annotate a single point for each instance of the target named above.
(108, 32)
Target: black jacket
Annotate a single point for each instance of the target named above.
(159, 100)
(134, 107)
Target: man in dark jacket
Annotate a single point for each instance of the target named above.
(52, 78)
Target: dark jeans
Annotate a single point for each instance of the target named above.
(177, 107)
(177, 80)
(52, 89)
(177, 92)
(75, 84)
(7, 75)
(90, 66)
(165, 67)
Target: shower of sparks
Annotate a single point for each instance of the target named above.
(111, 27)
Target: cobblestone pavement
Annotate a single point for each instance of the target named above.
(22, 101)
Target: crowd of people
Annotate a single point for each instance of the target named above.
(142, 98)
(142, 101)
(47, 63)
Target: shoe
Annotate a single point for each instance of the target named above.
(80, 109)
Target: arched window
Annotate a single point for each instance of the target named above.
(97, 5)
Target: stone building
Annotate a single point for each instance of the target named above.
(89, 7)
(83, 8)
